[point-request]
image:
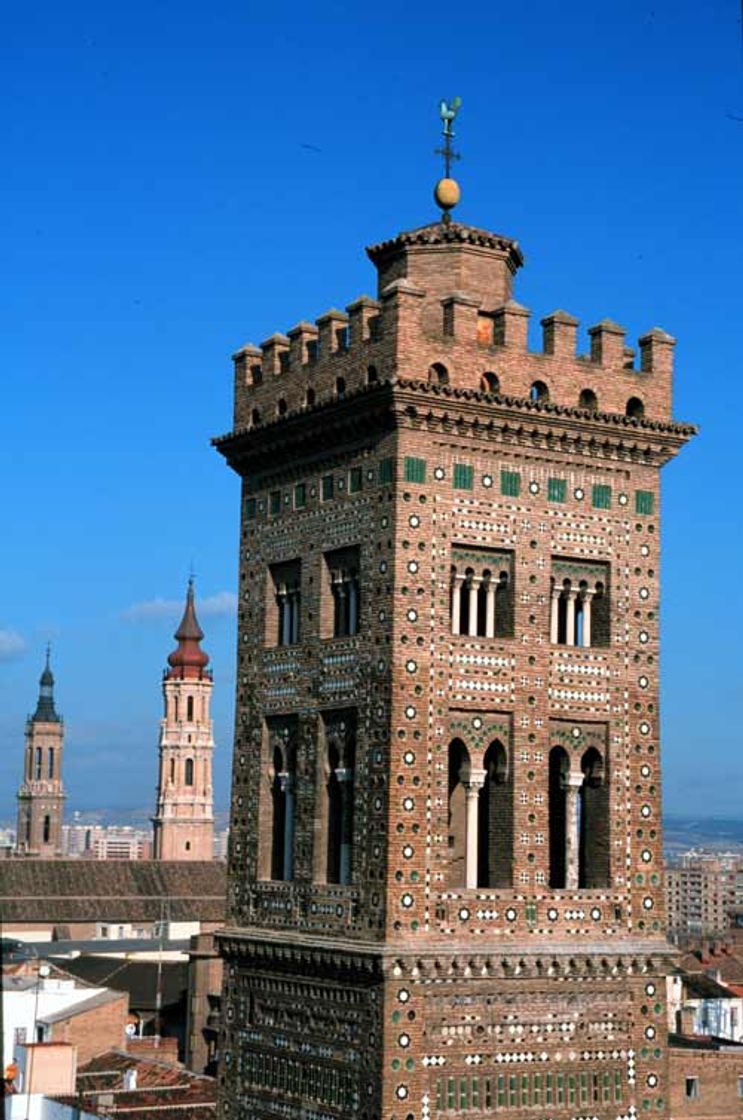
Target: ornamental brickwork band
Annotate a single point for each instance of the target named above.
(445, 873)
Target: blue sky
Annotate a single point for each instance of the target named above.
(179, 180)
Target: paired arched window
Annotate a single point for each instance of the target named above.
(589, 400)
(578, 821)
(480, 815)
(481, 595)
(635, 408)
(490, 383)
(283, 803)
(438, 374)
(189, 772)
(539, 392)
(579, 610)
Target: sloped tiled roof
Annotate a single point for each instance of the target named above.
(36, 890)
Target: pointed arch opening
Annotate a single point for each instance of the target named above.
(459, 773)
(593, 826)
(559, 770)
(495, 820)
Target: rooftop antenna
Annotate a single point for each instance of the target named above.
(447, 192)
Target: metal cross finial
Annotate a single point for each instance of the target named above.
(448, 111)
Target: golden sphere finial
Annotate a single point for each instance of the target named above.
(447, 194)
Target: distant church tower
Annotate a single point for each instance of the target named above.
(41, 796)
(184, 820)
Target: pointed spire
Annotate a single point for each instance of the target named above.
(45, 710)
(188, 660)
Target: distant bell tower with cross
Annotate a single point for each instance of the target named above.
(41, 796)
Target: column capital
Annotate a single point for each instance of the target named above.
(474, 781)
(571, 780)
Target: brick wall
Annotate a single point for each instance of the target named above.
(717, 1093)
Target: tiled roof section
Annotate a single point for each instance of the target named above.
(113, 890)
(164, 1092)
(138, 978)
(438, 233)
(729, 966)
(700, 986)
(702, 1042)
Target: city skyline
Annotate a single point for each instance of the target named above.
(146, 235)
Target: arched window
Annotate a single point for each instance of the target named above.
(47, 828)
(172, 769)
(490, 383)
(340, 798)
(189, 709)
(593, 827)
(340, 388)
(88, 839)
(283, 805)
(559, 769)
(255, 416)
(281, 407)
(459, 772)
(50, 763)
(438, 374)
(309, 398)
(371, 375)
(635, 408)
(188, 845)
(495, 821)
(539, 392)
(588, 399)
(37, 764)
(481, 602)
(189, 772)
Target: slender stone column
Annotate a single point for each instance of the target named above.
(587, 597)
(490, 608)
(472, 787)
(555, 614)
(286, 785)
(570, 618)
(345, 784)
(572, 784)
(284, 615)
(456, 604)
(472, 620)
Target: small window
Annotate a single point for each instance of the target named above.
(644, 502)
(281, 407)
(510, 483)
(250, 509)
(557, 489)
(343, 579)
(189, 709)
(300, 495)
(340, 387)
(275, 502)
(635, 408)
(188, 778)
(601, 497)
(255, 416)
(188, 845)
(415, 470)
(589, 400)
(354, 480)
(692, 1088)
(438, 374)
(327, 487)
(284, 603)
(539, 392)
(47, 829)
(740, 1088)
(313, 350)
(464, 476)
(387, 470)
(372, 376)
(309, 397)
(490, 383)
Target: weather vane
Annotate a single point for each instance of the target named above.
(447, 192)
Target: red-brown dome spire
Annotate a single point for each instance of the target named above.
(188, 660)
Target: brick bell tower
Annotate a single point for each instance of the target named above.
(184, 820)
(445, 871)
(41, 796)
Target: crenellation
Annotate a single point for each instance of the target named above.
(332, 332)
(302, 345)
(560, 334)
(460, 318)
(656, 352)
(607, 344)
(511, 326)
(274, 349)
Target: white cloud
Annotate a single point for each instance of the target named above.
(11, 645)
(222, 603)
